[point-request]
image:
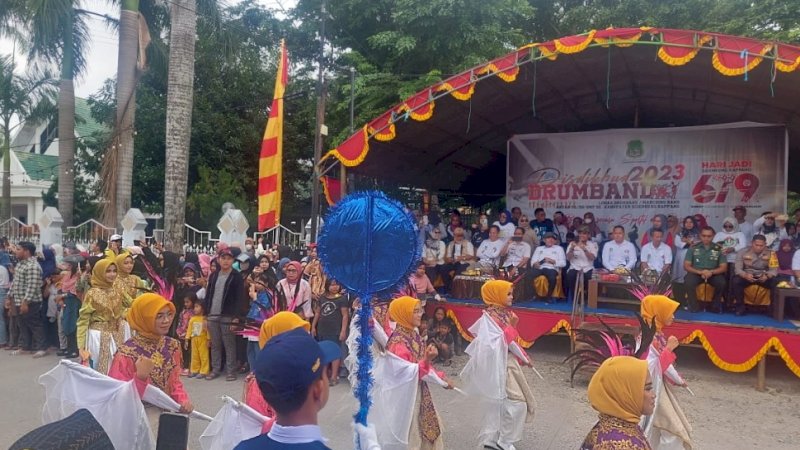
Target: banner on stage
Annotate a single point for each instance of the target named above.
(626, 176)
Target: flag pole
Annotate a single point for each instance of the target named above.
(318, 134)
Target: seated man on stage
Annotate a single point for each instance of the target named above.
(459, 253)
(754, 265)
(547, 261)
(489, 250)
(517, 254)
(656, 255)
(619, 253)
(705, 263)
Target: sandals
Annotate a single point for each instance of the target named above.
(212, 376)
(230, 377)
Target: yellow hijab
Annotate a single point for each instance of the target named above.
(659, 307)
(617, 388)
(280, 323)
(99, 273)
(119, 260)
(495, 292)
(401, 310)
(143, 312)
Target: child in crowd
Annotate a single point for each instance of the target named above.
(261, 294)
(424, 326)
(189, 301)
(331, 319)
(197, 335)
(442, 339)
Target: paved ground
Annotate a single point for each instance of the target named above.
(726, 414)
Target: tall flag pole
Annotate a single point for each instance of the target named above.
(270, 170)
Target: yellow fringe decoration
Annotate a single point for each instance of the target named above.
(773, 342)
(491, 68)
(351, 162)
(454, 91)
(577, 47)
(753, 62)
(787, 67)
(604, 42)
(672, 61)
(328, 197)
(552, 56)
(522, 342)
(415, 115)
(385, 135)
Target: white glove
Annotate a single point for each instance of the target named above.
(366, 437)
(437, 297)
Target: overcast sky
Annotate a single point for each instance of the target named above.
(102, 56)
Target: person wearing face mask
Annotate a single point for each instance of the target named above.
(249, 248)
(595, 234)
(560, 222)
(772, 227)
(294, 293)
(517, 254)
(480, 231)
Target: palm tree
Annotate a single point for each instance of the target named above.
(180, 96)
(25, 98)
(126, 105)
(59, 35)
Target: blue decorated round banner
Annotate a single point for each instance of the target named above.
(368, 243)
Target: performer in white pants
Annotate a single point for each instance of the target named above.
(495, 376)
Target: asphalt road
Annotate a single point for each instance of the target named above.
(726, 414)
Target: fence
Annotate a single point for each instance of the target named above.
(195, 240)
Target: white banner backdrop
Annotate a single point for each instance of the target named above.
(626, 176)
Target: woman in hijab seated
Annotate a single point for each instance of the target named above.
(152, 357)
(621, 391)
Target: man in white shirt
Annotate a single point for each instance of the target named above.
(740, 212)
(460, 252)
(433, 257)
(655, 254)
(489, 250)
(547, 261)
(517, 253)
(619, 252)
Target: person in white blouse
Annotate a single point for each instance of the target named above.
(656, 255)
(433, 257)
(619, 252)
(547, 261)
(505, 225)
(460, 252)
(517, 253)
(489, 250)
(581, 255)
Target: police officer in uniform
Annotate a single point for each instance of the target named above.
(754, 265)
(705, 263)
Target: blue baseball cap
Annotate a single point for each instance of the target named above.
(294, 359)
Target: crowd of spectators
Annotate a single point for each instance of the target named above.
(565, 249)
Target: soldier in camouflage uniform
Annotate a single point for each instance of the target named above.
(705, 263)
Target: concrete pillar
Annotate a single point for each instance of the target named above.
(50, 223)
(133, 227)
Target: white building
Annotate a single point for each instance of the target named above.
(34, 161)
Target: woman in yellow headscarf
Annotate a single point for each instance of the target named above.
(127, 284)
(279, 323)
(152, 357)
(101, 326)
(494, 375)
(407, 415)
(668, 428)
(621, 391)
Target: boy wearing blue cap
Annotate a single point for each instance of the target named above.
(291, 375)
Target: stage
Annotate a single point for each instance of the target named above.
(733, 343)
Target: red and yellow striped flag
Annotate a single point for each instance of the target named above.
(270, 170)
